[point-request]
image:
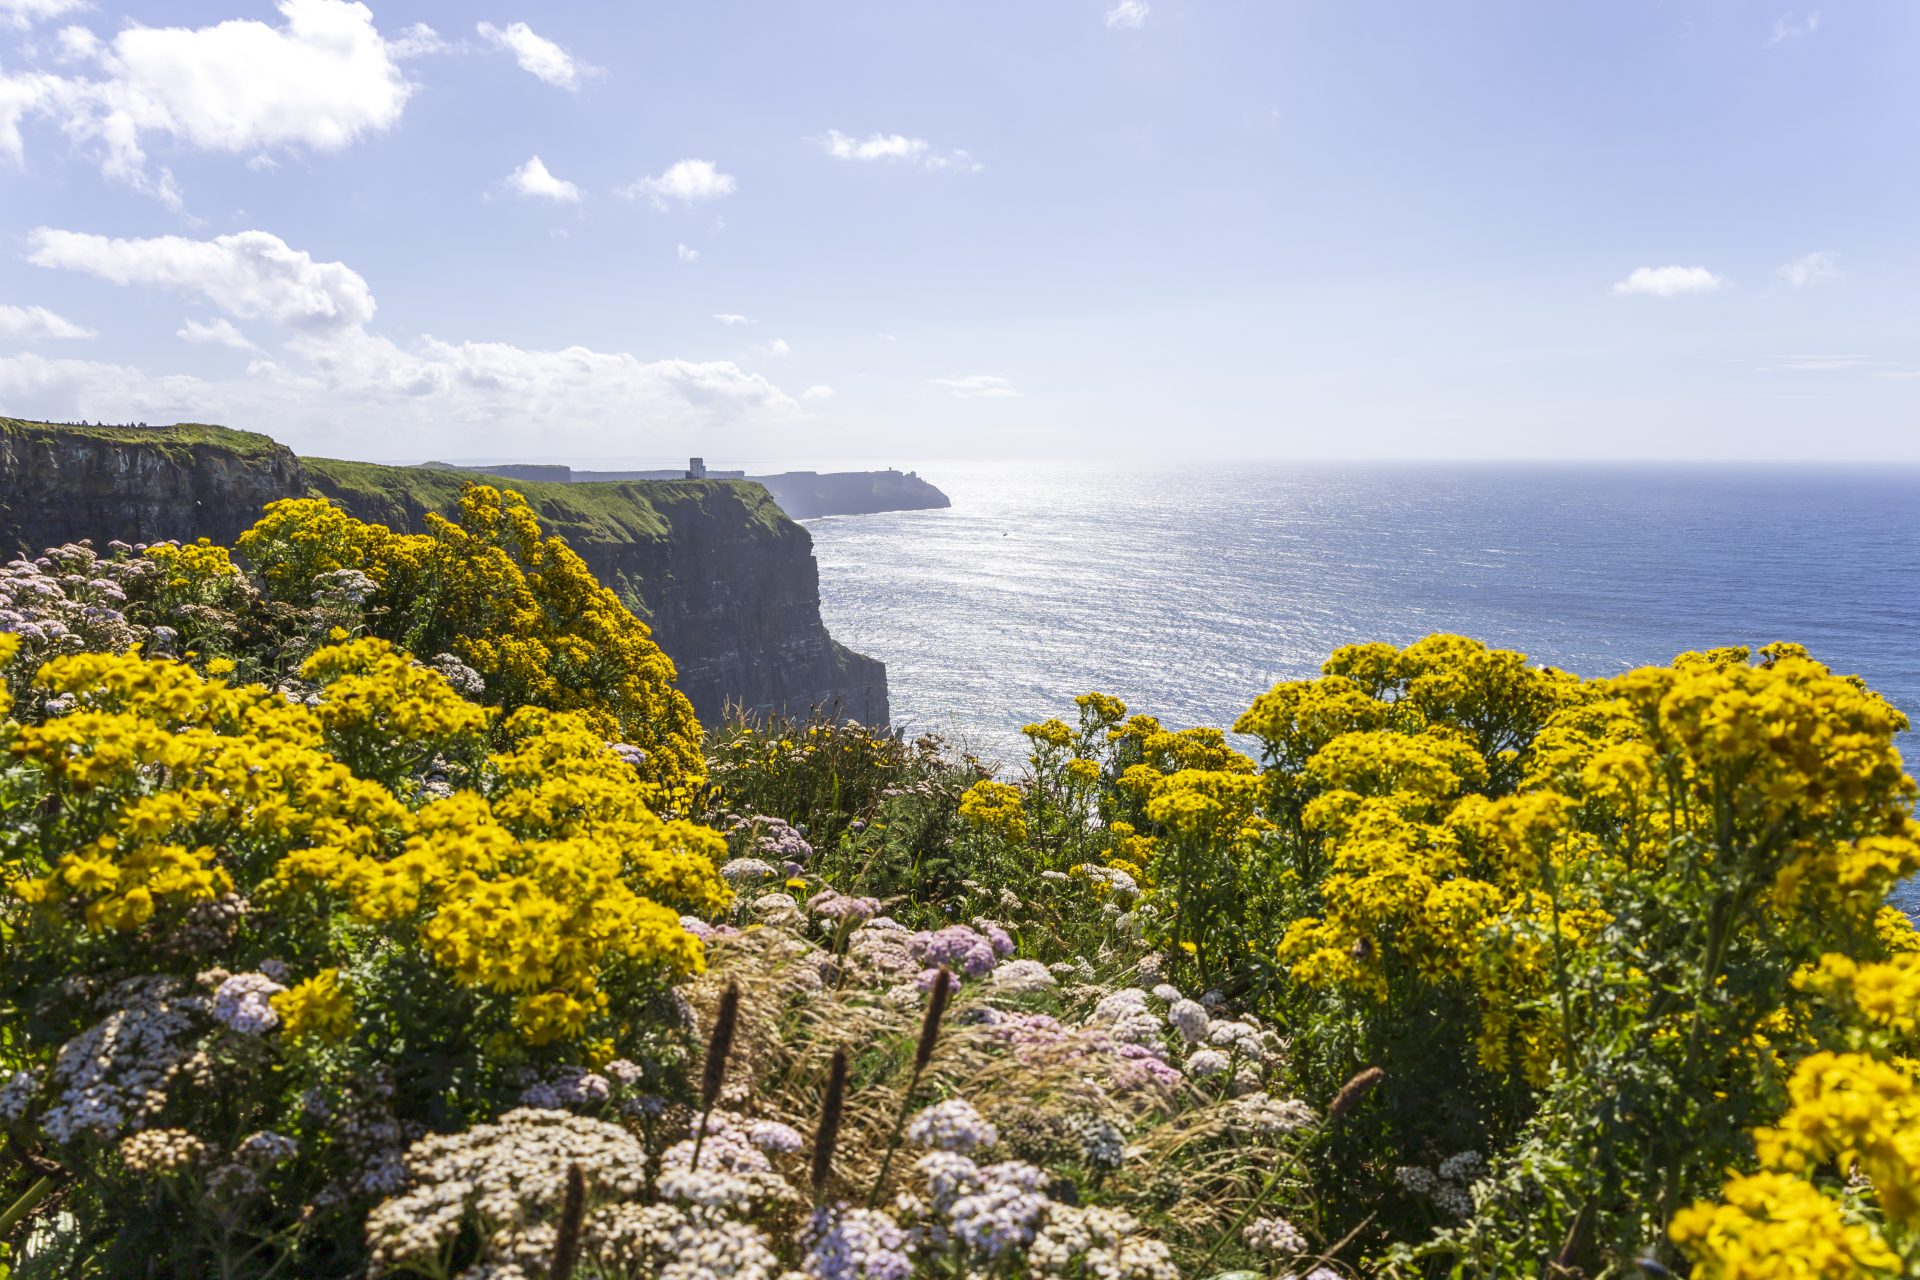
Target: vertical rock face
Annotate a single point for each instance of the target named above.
(59, 485)
(727, 582)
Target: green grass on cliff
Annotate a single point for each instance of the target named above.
(180, 437)
(585, 514)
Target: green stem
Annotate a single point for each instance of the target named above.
(893, 1142)
(25, 1204)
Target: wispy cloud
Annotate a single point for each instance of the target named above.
(34, 323)
(1668, 282)
(217, 332)
(687, 181)
(537, 55)
(896, 148)
(1788, 27)
(978, 386)
(1811, 270)
(730, 317)
(819, 391)
(534, 179)
(22, 14)
(687, 253)
(778, 348)
(1128, 15)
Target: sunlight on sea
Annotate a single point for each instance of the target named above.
(1188, 591)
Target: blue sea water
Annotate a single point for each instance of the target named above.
(1186, 591)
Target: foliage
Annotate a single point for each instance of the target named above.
(230, 914)
(517, 605)
(322, 959)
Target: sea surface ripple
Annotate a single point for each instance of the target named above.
(1186, 591)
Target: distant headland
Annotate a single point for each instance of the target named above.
(803, 495)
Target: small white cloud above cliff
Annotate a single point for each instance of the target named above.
(978, 386)
(1668, 282)
(1811, 270)
(534, 179)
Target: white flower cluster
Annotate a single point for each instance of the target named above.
(1021, 977)
(741, 872)
(504, 1178)
(1449, 1186)
(953, 1125)
(161, 1151)
(733, 1172)
(1270, 1117)
(243, 1001)
(1276, 1236)
(1001, 1211)
(567, 1087)
(114, 1076)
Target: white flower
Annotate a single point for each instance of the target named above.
(952, 1125)
(1202, 1063)
(1274, 1235)
(1021, 977)
(1190, 1020)
(243, 1003)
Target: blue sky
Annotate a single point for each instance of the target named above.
(1151, 229)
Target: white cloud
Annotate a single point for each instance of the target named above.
(687, 254)
(877, 146)
(728, 317)
(1823, 364)
(22, 14)
(321, 79)
(417, 41)
(1129, 14)
(331, 369)
(778, 348)
(819, 391)
(685, 180)
(77, 44)
(537, 55)
(218, 332)
(1811, 270)
(895, 148)
(1787, 27)
(1668, 282)
(250, 274)
(978, 386)
(34, 323)
(533, 179)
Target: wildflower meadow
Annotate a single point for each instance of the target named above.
(373, 905)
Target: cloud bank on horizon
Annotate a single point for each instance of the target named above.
(1094, 228)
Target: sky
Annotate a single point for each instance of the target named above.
(888, 230)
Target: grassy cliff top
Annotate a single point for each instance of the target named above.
(621, 511)
(585, 514)
(180, 435)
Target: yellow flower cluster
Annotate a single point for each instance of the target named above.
(193, 569)
(996, 808)
(318, 1009)
(1460, 791)
(539, 885)
(1774, 1226)
(520, 606)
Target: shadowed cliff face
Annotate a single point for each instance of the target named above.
(727, 582)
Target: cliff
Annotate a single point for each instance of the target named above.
(727, 582)
(803, 495)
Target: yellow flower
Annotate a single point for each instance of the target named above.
(318, 1009)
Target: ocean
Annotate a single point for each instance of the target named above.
(1188, 590)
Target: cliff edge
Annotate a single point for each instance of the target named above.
(725, 579)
